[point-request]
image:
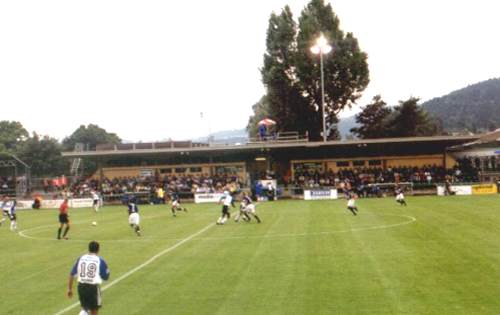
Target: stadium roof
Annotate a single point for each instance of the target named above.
(345, 146)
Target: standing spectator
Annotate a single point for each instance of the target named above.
(262, 132)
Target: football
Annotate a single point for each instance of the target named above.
(94, 223)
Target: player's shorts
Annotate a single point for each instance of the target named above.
(249, 209)
(400, 197)
(63, 218)
(95, 202)
(133, 218)
(175, 203)
(90, 296)
(351, 204)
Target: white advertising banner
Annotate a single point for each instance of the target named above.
(56, 203)
(201, 198)
(24, 204)
(81, 203)
(458, 190)
(318, 194)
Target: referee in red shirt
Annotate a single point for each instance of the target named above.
(63, 219)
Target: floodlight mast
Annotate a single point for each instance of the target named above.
(320, 48)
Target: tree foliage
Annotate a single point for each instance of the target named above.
(291, 73)
(90, 136)
(345, 68)
(260, 111)
(373, 120)
(43, 155)
(411, 120)
(12, 133)
(408, 119)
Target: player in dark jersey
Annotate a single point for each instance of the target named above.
(63, 220)
(133, 216)
(176, 203)
(248, 208)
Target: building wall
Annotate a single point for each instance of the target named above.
(372, 162)
(170, 170)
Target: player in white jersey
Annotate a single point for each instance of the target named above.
(400, 197)
(226, 201)
(247, 208)
(9, 210)
(95, 200)
(89, 270)
(351, 204)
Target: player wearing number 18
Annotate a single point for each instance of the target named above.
(89, 270)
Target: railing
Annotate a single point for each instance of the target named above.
(149, 146)
(281, 137)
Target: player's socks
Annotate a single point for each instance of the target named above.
(257, 218)
(66, 231)
(13, 226)
(59, 233)
(2, 221)
(138, 230)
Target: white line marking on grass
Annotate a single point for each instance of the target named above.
(366, 228)
(55, 225)
(144, 264)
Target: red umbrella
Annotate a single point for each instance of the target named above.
(267, 122)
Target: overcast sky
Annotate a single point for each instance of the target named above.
(146, 69)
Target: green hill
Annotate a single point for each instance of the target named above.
(474, 108)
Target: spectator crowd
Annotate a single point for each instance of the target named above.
(188, 184)
(464, 171)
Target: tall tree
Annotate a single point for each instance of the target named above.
(345, 68)
(12, 134)
(286, 105)
(411, 120)
(43, 155)
(291, 74)
(373, 120)
(90, 136)
(260, 111)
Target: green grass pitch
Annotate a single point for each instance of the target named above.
(438, 255)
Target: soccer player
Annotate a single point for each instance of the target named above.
(246, 208)
(90, 270)
(226, 201)
(9, 210)
(133, 216)
(400, 197)
(63, 220)
(351, 204)
(176, 203)
(95, 200)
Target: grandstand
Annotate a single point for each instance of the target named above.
(293, 161)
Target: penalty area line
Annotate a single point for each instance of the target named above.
(144, 264)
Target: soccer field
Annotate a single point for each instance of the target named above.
(438, 255)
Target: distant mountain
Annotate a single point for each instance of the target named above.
(345, 125)
(474, 108)
(226, 136)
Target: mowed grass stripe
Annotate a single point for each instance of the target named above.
(446, 262)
